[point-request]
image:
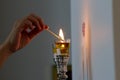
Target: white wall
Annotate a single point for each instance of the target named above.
(35, 61)
(97, 14)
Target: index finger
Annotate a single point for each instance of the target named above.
(39, 20)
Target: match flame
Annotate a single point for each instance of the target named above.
(61, 34)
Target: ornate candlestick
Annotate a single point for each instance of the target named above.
(61, 57)
(61, 54)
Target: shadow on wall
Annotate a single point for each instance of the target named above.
(116, 26)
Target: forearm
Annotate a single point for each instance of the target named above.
(4, 53)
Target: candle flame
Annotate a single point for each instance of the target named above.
(61, 34)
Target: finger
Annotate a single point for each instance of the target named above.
(33, 33)
(39, 19)
(34, 21)
(42, 25)
(29, 24)
(23, 25)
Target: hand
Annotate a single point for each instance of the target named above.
(23, 32)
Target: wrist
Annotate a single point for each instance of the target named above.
(4, 53)
(5, 49)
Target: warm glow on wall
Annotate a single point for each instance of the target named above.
(86, 53)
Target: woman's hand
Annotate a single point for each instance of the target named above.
(23, 32)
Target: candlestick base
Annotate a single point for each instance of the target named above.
(61, 62)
